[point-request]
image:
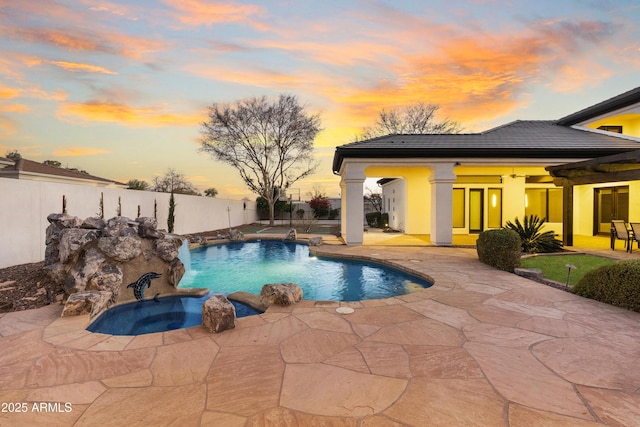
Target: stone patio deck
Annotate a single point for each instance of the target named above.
(480, 347)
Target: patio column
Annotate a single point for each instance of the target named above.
(567, 212)
(352, 215)
(441, 182)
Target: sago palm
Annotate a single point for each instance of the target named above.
(533, 239)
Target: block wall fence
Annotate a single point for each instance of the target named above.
(25, 204)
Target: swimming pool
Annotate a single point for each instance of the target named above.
(246, 266)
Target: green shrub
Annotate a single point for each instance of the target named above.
(617, 284)
(500, 248)
(374, 219)
(533, 239)
(384, 220)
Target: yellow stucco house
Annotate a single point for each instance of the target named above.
(578, 172)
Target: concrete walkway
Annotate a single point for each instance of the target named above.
(479, 348)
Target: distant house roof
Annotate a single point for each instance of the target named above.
(518, 139)
(6, 162)
(618, 102)
(29, 169)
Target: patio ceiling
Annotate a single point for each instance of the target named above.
(617, 167)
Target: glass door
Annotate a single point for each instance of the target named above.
(610, 203)
(476, 210)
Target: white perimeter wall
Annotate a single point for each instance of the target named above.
(25, 204)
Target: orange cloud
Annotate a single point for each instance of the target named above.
(95, 41)
(14, 108)
(200, 12)
(79, 151)
(124, 114)
(478, 77)
(7, 126)
(253, 76)
(7, 92)
(74, 66)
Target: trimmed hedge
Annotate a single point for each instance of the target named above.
(500, 248)
(374, 219)
(617, 284)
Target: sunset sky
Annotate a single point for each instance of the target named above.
(120, 88)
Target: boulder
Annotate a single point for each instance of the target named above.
(167, 248)
(291, 234)
(147, 228)
(120, 248)
(92, 302)
(83, 270)
(147, 221)
(198, 240)
(64, 220)
(176, 271)
(235, 236)
(315, 241)
(107, 278)
(218, 314)
(281, 293)
(94, 223)
(120, 226)
(72, 240)
(56, 272)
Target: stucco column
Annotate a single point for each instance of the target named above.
(441, 182)
(353, 211)
(352, 215)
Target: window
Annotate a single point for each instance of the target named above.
(494, 211)
(458, 208)
(616, 129)
(544, 202)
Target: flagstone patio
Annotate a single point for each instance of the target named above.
(480, 347)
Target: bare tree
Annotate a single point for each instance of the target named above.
(374, 200)
(415, 119)
(174, 182)
(270, 144)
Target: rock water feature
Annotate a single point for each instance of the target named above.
(100, 263)
(103, 263)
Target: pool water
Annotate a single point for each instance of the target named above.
(246, 266)
(149, 316)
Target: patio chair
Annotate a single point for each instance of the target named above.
(635, 235)
(619, 231)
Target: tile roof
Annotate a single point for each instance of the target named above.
(618, 102)
(518, 139)
(24, 165)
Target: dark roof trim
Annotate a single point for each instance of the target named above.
(617, 102)
(476, 153)
(383, 181)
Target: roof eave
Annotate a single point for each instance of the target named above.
(515, 153)
(621, 101)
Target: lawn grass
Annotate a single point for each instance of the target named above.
(553, 266)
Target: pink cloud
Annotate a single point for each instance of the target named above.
(106, 111)
(77, 67)
(200, 12)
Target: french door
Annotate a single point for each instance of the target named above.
(610, 203)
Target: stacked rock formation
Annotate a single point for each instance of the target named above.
(94, 255)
